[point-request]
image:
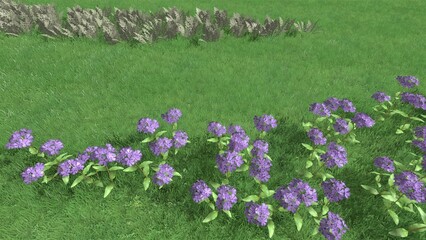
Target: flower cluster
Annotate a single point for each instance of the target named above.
(239, 141)
(70, 167)
(20, 139)
(408, 81)
(51, 147)
(420, 132)
(317, 137)
(335, 156)
(216, 129)
(384, 163)
(259, 168)
(229, 161)
(420, 144)
(335, 190)
(180, 139)
(226, 197)
(297, 192)
(164, 175)
(234, 129)
(331, 104)
(32, 174)
(265, 123)
(362, 120)
(333, 227)
(129, 157)
(147, 125)
(257, 213)
(417, 100)
(200, 191)
(320, 109)
(409, 184)
(381, 97)
(341, 126)
(172, 116)
(106, 154)
(162, 145)
(260, 148)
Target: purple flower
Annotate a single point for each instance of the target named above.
(317, 137)
(257, 213)
(347, 105)
(70, 167)
(408, 81)
(335, 190)
(381, 97)
(335, 156)
(320, 109)
(332, 103)
(32, 174)
(216, 129)
(200, 191)
(384, 163)
(417, 100)
(83, 158)
(409, 184)
(363, 120)
(420, 144)
(129, 157)
(91, 151)
(259, 168)
(333, 227)
(105, 155)
(164, 175)
(265, 123)
(172, 116)
(226, 197)
(260, 147)
(51, 147)
(420, 132)
(180, 139)
(238, 142)
(228, 161)
(234, 129)
(162, 145)
(20, 139)
(297, 192)
(148, 125)
(341, 126)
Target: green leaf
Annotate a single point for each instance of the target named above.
(271, 228)
(389, 197)
(89, 180)
(66, 179)
(77, 181)
(148, 139)
(214, 196)
(307, 146)
(228, 213)
(100, 168)
(422, 214)
(394, 216)
(225, 181)
(146, 182)
(145, 163)
(268, 157)
(115, 168)
(215, 185)
(87, 168)
(264, 188)
(33, 150)
(253, 198)
(399, 232)
(398, 164)
(211, 205)
(309, 164)
(146, 171)
(40, 154)
(370, 189)
(417, 227)
(312, 212)
(281, 209)
(314, 232)
(112, 175)
(298, 220)
(131, 169)
(177, 174)
(393, 112)
(243, 168)
(99, 183)
(399, 131)
(308, 175)
(213, 140)
(159, 134)
(212, 216)
(417, 119)
(391, 180)
(324, 210)
(108, 189)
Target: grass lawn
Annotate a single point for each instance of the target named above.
(87, 93)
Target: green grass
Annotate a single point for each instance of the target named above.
(83, 92)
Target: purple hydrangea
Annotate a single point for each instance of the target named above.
(265, 123)
(257, 213)
(420, 132)
(148, 125)
(238, 142)
(164, 175)
(83, 158)
(259, 168)
(91, 151)
(408, 81)
(409, 184)
(341, 126)
(347, 105)
(417, 100)
(420, 144)
(363, 120)
(172, 116)
(162, 145)
(228, 161)
(70, 167)
(32, 174)
(320, 109)
(20, 139)
(317, 137)
(52, 147)
(333, 227)
(106, 154)
(234, 129)
(297, 192)
(335, 156)
(216, 129)
(332, 103)
(200, 191)
(226, 197)
(381, 97)
(260, 147)
(384, 163)
(180, 139)
(335, 190)
(129, 157)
